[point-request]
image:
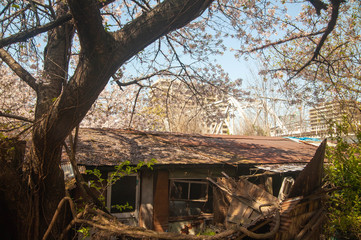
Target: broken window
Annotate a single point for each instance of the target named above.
(189, 190)
(189, 197)
(68, 171)
(122, 196)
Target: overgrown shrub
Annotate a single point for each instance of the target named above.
(343, 172)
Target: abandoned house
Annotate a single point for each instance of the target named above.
(178, 194)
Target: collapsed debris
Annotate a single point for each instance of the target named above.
(296, 214)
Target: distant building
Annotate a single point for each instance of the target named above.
(325, 113)
(293, 125)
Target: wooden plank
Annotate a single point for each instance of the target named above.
(239, 213)
(221, 202)
(161, 202)
(247, 200)
(311, 176)
(230, 191)
(315, 218)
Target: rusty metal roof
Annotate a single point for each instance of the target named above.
(108, 147)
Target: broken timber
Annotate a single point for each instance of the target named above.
(299, 216)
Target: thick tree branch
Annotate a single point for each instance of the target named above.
(18, 69)
(166, 17)
(107, 224)
(88, 21)
(330, 26)
(102, 56)
(103, 222)
(318, 5)
(32, 32)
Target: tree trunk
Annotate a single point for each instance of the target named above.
(36, 183)
(14, 200)
(31, 189)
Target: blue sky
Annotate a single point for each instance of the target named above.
(248, 69)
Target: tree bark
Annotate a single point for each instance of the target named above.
(40, 184)
(14, 201)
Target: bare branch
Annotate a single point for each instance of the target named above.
(135, 104)
(283, 41)
(25, 35)
(57, 212)
(15, 13)
(137, 80)
(6, 7)
(8, 115)
(147, 4)
(35, 11)
(18, 69)
(88, 195)
(141, 6)
(121, 85)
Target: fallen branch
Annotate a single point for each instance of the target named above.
(111, 226)
(57, 212)
(318, 216)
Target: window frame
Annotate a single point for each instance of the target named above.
(133, 214)
(190, 181)
(67, 170)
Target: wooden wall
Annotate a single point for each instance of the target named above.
(146, 202)
(161, 201)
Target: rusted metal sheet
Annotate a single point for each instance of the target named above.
(282, 168)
